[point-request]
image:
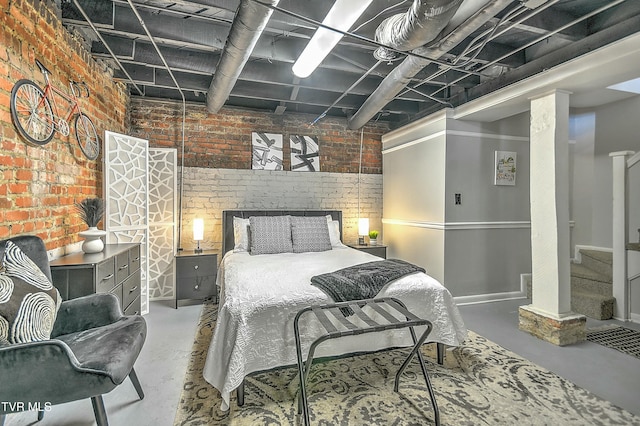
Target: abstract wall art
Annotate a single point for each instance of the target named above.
(305, 153)
(267, 151)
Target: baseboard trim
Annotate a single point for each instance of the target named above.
(492, 297)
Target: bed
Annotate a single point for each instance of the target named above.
(261, 293)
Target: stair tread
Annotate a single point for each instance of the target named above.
(602, 256)
(578, 270)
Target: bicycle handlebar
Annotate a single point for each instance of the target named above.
(79, 89)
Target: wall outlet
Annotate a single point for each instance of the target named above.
(458, 198)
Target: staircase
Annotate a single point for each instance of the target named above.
(592, 285)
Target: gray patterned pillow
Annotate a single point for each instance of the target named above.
(29, 303)
(270, 234)
(310, 234)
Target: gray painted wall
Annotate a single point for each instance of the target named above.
(472, 248)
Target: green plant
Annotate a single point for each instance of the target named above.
(90, 211)
(373, 234)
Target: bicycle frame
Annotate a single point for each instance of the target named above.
(74, 107)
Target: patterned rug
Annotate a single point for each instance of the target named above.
(481, 383)
(617, 337)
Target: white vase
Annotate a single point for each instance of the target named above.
(373, 241)
(93, 240)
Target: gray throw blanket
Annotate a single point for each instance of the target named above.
(363, 281)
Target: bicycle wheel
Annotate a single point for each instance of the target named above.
(31, 112)
(87, 137)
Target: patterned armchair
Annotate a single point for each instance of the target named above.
(90, 350)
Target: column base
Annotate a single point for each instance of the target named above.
(560, 331)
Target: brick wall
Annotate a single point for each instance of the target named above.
(207, 192)
(40, 184)
(218, 173)
(223, 140)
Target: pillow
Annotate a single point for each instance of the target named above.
(240, 234)
(270, 234)
(334, 232)
(29, 303)
(310, 234)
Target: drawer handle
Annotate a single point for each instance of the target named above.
(136, 259)
(196, 267)
(123, 267)
(196, 287)
(133, 289)
(108, 277)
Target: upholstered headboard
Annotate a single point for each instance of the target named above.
(228, 215)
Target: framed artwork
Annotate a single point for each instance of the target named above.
(305, 153)
(505, 168)
(266, 151)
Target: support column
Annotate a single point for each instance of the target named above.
(619, 235)
(549, 316)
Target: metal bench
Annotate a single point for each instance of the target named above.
(393, 314)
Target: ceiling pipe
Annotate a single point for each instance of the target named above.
(248, 24)
(400, 77)
(421, 24)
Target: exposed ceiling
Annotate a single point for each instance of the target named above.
(487, 45)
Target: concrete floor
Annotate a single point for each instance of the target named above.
(162, 364)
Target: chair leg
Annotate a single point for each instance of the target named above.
(99, 411)
(240, 394)
(40, 415)
(440, 353)
(136, 383)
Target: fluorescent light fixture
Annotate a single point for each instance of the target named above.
(342, 16)
(198, 232)
(632, 86)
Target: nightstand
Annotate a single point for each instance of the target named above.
(196, 275)
(379, 250)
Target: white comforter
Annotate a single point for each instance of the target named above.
(261, 294)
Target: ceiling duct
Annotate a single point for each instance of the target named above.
(421, 24)
(400, 77)
(248, 24)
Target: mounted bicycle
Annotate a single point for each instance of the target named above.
(35, 113)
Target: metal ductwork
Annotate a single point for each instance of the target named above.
(248, 24)
(418, 26)
(400, 77)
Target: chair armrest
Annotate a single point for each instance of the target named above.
(44, 371)
(94, 310)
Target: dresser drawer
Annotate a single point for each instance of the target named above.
(195, 267)
(130, 289)
(106, 278)
(134, 259)
(196, 287)
(122, 266)
(133, 308)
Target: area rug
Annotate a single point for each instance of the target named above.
(616, 337)
(481, 383)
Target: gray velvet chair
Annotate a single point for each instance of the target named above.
(92, 350)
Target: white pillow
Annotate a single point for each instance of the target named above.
(334, 232)
(240, 234)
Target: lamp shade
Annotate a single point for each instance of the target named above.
(198, 229)
(363, 226)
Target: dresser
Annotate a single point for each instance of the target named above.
(115, 270)
(196, 275)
